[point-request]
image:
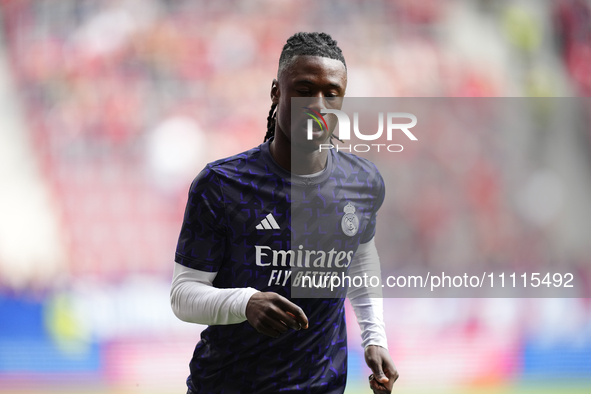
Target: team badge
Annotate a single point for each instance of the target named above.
(350, 222)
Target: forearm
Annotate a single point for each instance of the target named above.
(367, 302)
(195, 300)
(369, 312)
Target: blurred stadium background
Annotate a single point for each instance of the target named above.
(109, 108)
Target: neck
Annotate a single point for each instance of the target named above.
(303, 163)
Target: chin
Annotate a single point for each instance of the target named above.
(302, 143)
(309, 146)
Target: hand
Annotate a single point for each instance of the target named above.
(384, 372)
(271, 314)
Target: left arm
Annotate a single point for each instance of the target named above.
(369, 310)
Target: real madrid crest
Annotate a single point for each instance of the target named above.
(350, 222)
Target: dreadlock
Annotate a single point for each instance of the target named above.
(303, 44)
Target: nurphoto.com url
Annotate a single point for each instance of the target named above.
(435, 281)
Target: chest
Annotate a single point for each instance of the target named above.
(270, 212)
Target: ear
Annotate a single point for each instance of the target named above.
(275, 92)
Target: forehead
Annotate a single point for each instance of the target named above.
(316, 69)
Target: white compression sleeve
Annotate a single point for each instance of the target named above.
(195, 300)
(367, 302)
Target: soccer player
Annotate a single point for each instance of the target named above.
(234, 256)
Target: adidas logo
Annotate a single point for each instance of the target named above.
(268, 223)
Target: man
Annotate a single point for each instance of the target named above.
(234, 255)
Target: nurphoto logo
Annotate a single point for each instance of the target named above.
(345, 129)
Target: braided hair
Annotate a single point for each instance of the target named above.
(303, 44)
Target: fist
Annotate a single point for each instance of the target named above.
(272, 314)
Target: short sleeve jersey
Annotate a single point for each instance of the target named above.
(238, 223)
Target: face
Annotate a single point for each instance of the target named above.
(323, 81)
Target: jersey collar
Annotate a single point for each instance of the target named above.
(300, 180)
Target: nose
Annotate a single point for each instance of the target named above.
(317, 102)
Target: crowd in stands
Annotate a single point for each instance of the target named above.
(98, 77)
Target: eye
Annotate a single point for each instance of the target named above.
(331, 97)
(304, 92)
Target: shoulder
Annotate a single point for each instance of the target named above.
(237, 162)
(357, 164)
(366, 175)
(231, 166)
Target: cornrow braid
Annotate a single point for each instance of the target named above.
(304, 44)
(271, 122)
(310, 44)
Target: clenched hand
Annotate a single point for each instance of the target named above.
(272, 314)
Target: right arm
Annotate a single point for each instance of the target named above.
(199, 255)
(194, 299)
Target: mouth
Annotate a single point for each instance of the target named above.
(316, 131)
